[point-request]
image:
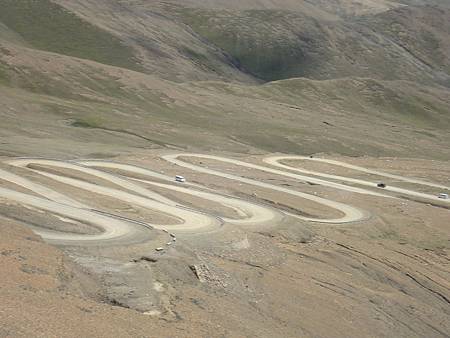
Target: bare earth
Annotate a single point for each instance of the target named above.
(314, 139)
(280, 265)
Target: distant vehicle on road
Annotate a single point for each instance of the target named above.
(180, 179)
(381, 185)
(443, 196)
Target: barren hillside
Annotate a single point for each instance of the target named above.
(313, 138)
(143, 59)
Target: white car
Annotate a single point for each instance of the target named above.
(180, 179)
(443, 196)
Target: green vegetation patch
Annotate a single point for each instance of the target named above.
(88, 122)
(48, 26)
(264, 42)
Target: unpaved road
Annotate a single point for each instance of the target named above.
(137, 192)
(350, 214)
(112, 228)
(190, 221)
(252, 214)
(276, 161)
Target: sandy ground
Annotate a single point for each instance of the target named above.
(385, 275)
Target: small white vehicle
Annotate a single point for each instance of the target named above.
(443, 196)
(180, 179)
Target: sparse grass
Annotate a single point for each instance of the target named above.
(4, 75)
(48, 26)
(88, 122)
(199, 58)
(36, 82)
(263, 124)
(260, 40)
(274, 44)
(285, 116)
(72, 85)
(7, 35)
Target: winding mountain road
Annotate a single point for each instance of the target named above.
(250, 213)
(129, 191)
(277, 161)
(133, 186)
(350, 214)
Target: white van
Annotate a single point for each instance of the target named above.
(180, 179)
(443, 196)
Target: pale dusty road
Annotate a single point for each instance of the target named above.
(138, 192)
(276, 161)
(252, 214)
(188, 220)
(350, 214)
(112, 228)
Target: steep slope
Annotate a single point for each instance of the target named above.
(47, 26)
(82, 105)
(132, 79)
(164, 47)
(217, 40)
(442, 3)
(7, 34)
(423, 32)
(135, 39)
(273, 44)
(74, 99)
(44, 295)
(321, 8)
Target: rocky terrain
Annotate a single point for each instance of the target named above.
(254, 244)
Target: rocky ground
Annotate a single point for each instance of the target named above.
(385, 276)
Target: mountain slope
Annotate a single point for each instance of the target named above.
(270, 40)
(132, 40)
(47, 26)
(273, 44)
(362, 73)
(422, 32)
(85, 103)
(163, 47)
(321, 8)
(130, 80)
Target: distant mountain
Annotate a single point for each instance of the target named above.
(402, 43)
